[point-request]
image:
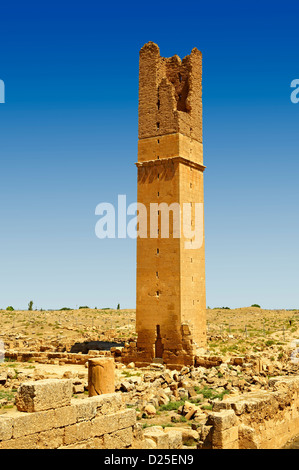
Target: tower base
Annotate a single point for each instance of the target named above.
(176, 357)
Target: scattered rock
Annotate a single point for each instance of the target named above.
(3, 377)
(150, 410)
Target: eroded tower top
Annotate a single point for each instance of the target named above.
(170, 93)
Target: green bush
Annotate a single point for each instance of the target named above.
(172, 405)
(10, 308)
(256, 305)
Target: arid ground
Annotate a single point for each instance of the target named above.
(253, 344)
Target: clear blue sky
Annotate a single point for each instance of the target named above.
(68, 141)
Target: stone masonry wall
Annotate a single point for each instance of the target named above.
(255, 420)
(51, 419)
(61, 358)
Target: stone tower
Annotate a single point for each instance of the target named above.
(170, 304)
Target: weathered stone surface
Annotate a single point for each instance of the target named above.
(170, 170)
(149, 443)
(119, 439)
(226, 439)
(107, 403)
(284, 381)
(52, 439)
(3, 377)
(66, 416)
(101, 377)
(188, 434)
(150, 410)
(126, 418)
(31, 423)
(175, 437)
(111, 423)
(247, 437)
(77, 432)
(222, 420)
(44, 394)
(6, 426)
(157, 434)
(85, 409)
(27, 442)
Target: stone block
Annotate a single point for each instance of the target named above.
(6, 426)
(175, 438)
(227, 445)
(50, 439)
(31, 423)
(247, 437)
(3, 377)
(107, 403)
(149, 443)
(157, 434)
(65, 416)
(188, 434)
(119, 439)
(26, 442)
(222, 420)
(78, 388)
(126, 418)
(93, 352)
(104, 424)
(110, 423)
(44, 394)
(96, 443)
(85, 409)
(225, 439)
(77, 432)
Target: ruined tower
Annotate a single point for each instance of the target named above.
(170, 303)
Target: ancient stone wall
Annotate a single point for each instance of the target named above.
(51, 418)
(60, 358)
(255, 420)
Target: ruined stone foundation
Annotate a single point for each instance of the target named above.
(170, 304)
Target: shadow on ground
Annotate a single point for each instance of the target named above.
(94, 345)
